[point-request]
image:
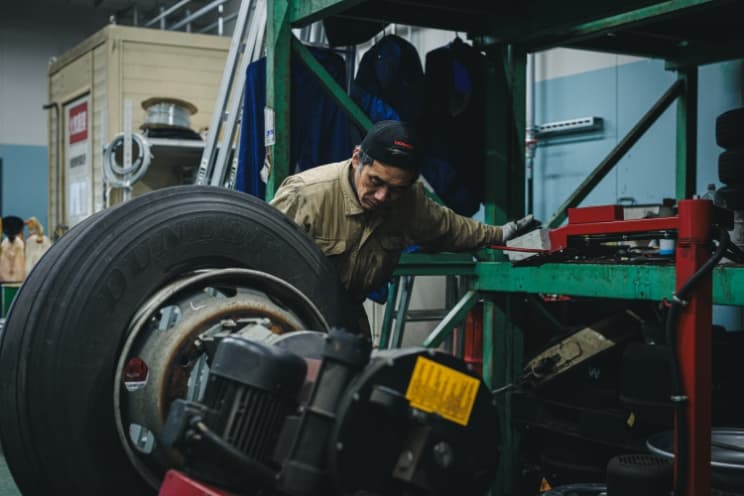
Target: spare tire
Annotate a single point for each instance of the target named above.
(730, 128)
(731, 197)
(731, 166)
(70, 319)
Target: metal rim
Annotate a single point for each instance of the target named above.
(138, 404)
(652, 445)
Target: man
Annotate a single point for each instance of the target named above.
(364, 212)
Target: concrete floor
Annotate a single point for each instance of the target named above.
(7, 486)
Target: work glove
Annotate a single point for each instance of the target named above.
(518, 227)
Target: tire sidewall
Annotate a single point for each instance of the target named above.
(100, 277)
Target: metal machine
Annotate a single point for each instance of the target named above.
(602, 233)
(272, 421)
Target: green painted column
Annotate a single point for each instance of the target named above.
(508, 346)
(687, 114)
(278, 79)
(497, 138)
(504, 200)
(517, 79)
(505, 133)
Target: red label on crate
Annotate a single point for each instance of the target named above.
(78, 122)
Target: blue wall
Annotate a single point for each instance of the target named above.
(24, 182)
(621, 95)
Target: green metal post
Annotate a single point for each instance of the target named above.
(507, 367)
(517, 80)
(505, 131)
(455, 316)
(387, 319)
(406, 288)
(278, 78)
(504, 199)
(489, 340)
(497, 138)
(687, 114)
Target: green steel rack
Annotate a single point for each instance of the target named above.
(685, 33)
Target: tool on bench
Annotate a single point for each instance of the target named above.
(590, 229)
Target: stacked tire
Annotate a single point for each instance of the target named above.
(730, 137)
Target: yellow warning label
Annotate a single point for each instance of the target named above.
(438, 389)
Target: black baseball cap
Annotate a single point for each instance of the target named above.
(392, 143)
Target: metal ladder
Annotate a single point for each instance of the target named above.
(246, 47)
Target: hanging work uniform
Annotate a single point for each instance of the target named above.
(389, 81)
(453, 129)
(320, 130)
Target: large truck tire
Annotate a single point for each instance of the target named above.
(70, 318)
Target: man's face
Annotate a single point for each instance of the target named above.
(378, 185)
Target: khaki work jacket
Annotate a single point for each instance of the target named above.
(365, 246)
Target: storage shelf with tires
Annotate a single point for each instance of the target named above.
(684, 33)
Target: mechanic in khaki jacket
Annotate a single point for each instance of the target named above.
(363, 212)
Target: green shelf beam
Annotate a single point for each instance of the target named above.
(634, 17)
(436, 264)
(728, 286)
(645, 282)
(700, 53)
(304, 12)
(547, 37)
(639, 282)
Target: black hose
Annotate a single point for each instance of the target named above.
(262, 473)
(723, 244)
(678, 393)
(735, 253)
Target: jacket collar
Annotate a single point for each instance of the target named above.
(351, 202)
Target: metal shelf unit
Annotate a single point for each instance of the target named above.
(686, 33)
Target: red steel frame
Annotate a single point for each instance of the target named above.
(694, 343)
(559, 237)
(177, 483)
(694, 348)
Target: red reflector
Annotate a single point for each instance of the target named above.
(135, 370)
